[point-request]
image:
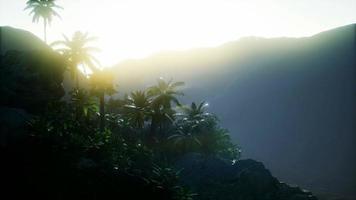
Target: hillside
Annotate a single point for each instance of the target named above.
(18, 39)
(289, 102)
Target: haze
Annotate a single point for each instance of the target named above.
(135, 29)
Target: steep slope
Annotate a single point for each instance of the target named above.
(289, 102)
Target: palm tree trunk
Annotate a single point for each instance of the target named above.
(76, 80)
(45, 30)
(102, 112)
(153, 128)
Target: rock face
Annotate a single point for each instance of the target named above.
(29, 80)
(31, 76)
(214, 178)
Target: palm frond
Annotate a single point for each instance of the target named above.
(177, 84)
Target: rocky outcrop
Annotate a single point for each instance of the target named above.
(214, 178)
(31, 73)
(31, 76)
(29, 80)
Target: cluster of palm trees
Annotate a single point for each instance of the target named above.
(185, 128)
(154, 106)
(74, 49)
(76, 52)
(157, 113)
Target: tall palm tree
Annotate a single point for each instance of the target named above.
(101, 84)
(194, 111)
(139, 109)
(163, 94)
(44, 9)
(77, 52)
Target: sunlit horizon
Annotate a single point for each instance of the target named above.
(136, 29)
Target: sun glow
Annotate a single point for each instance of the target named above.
(138, 28)
(129, 29)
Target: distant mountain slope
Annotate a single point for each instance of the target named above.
(290, 102)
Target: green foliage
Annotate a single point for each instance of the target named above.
(199, 131)
(138, 108)
(84, 104)
(166, 177)
(163, 95)
(125, 142)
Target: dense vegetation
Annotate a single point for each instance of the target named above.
(144, 133)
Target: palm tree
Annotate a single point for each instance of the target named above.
(194, 111)
(163, 94)
(194, 117)
(101, 84)
(138, 105)
(78, 53)
(44, 9)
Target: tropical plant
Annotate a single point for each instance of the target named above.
(83, 103)
(167, 177)
(163, 94)
(194, 112)
(77, 52)
(44, 9)
(199, 131)
(139, 108)
(190, 122)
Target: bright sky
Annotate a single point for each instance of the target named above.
(138, 28)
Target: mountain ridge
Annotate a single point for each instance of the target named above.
(233, 42)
